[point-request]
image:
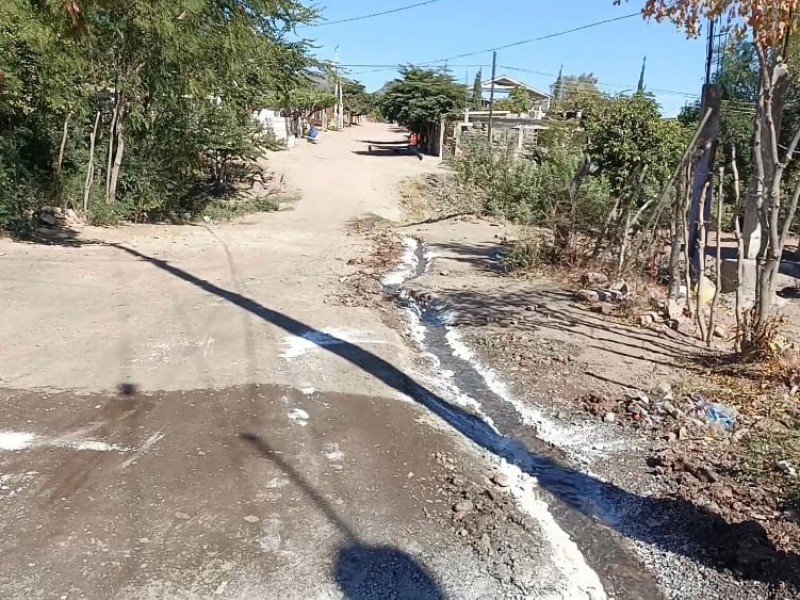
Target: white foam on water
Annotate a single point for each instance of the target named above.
(12, 441)
(16, 440)
(299, 416)
(578, 579)
(91, 445)
(407, 266)
(585, 443)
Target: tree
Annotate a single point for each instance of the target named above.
(574, 85)
(170, 85)
(357, 102)
(420, 98)
(635, 150)
(518, 102)
(576, 93)
(558, 87)
(477, 91)
(627, 136)
(303, 101)
(770, 207)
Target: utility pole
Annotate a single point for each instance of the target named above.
(491, 95)
(466, 91)
(341, 103)
(710, 50)
(703, 174)
(337, 91)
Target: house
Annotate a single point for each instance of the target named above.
(504, 85)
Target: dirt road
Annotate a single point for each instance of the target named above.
(185, 415)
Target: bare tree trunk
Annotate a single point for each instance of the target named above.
(111, 139)
(601, 236)
(701, 257)
(687, 200)
(117, 143)
(675, 248)
(112, 190)
(60, 163)
(739, 250)
(767, 185)
(717, 265)
(87, 186)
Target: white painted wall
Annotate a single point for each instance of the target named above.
(271, 120)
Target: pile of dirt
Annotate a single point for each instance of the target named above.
(362, 287)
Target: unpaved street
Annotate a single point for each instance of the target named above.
(186, 413)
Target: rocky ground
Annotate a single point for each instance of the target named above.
(708, 447)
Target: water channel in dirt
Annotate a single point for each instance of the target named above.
(588, 509)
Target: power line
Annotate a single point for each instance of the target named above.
(601, 84)
(607, 84)
(395, 66)
(513, 44)
(377, 14)
(536, 39)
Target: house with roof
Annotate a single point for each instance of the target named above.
(504, 85)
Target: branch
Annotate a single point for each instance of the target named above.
(790, 215)
(767, 87)
(792, 147)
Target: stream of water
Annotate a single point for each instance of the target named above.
(582, 505)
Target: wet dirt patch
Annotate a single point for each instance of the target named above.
(230, 478)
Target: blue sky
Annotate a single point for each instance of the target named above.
(444, 28)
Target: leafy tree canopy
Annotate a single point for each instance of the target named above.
(628, 136)
(421, 97)
(518, 102)
(171, 86)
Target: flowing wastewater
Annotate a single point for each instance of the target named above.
(589, 510)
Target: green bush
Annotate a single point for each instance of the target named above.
(174, 85)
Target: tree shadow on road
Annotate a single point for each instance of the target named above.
(683, 527)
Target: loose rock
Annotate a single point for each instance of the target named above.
(594, 279)
(786, 467)
(47, 218)
(501, 480)
(464, 506)
(663, 392)
(603, 309)
(674, 309)
(588, 296)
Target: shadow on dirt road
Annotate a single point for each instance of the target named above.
(362, 572)
(684, 528)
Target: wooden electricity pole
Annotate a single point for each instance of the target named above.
(491, 95)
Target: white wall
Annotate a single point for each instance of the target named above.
(271, 120)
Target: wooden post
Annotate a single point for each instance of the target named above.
(441, 138)
(87, 186)
(718, 265)
(491, 95)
